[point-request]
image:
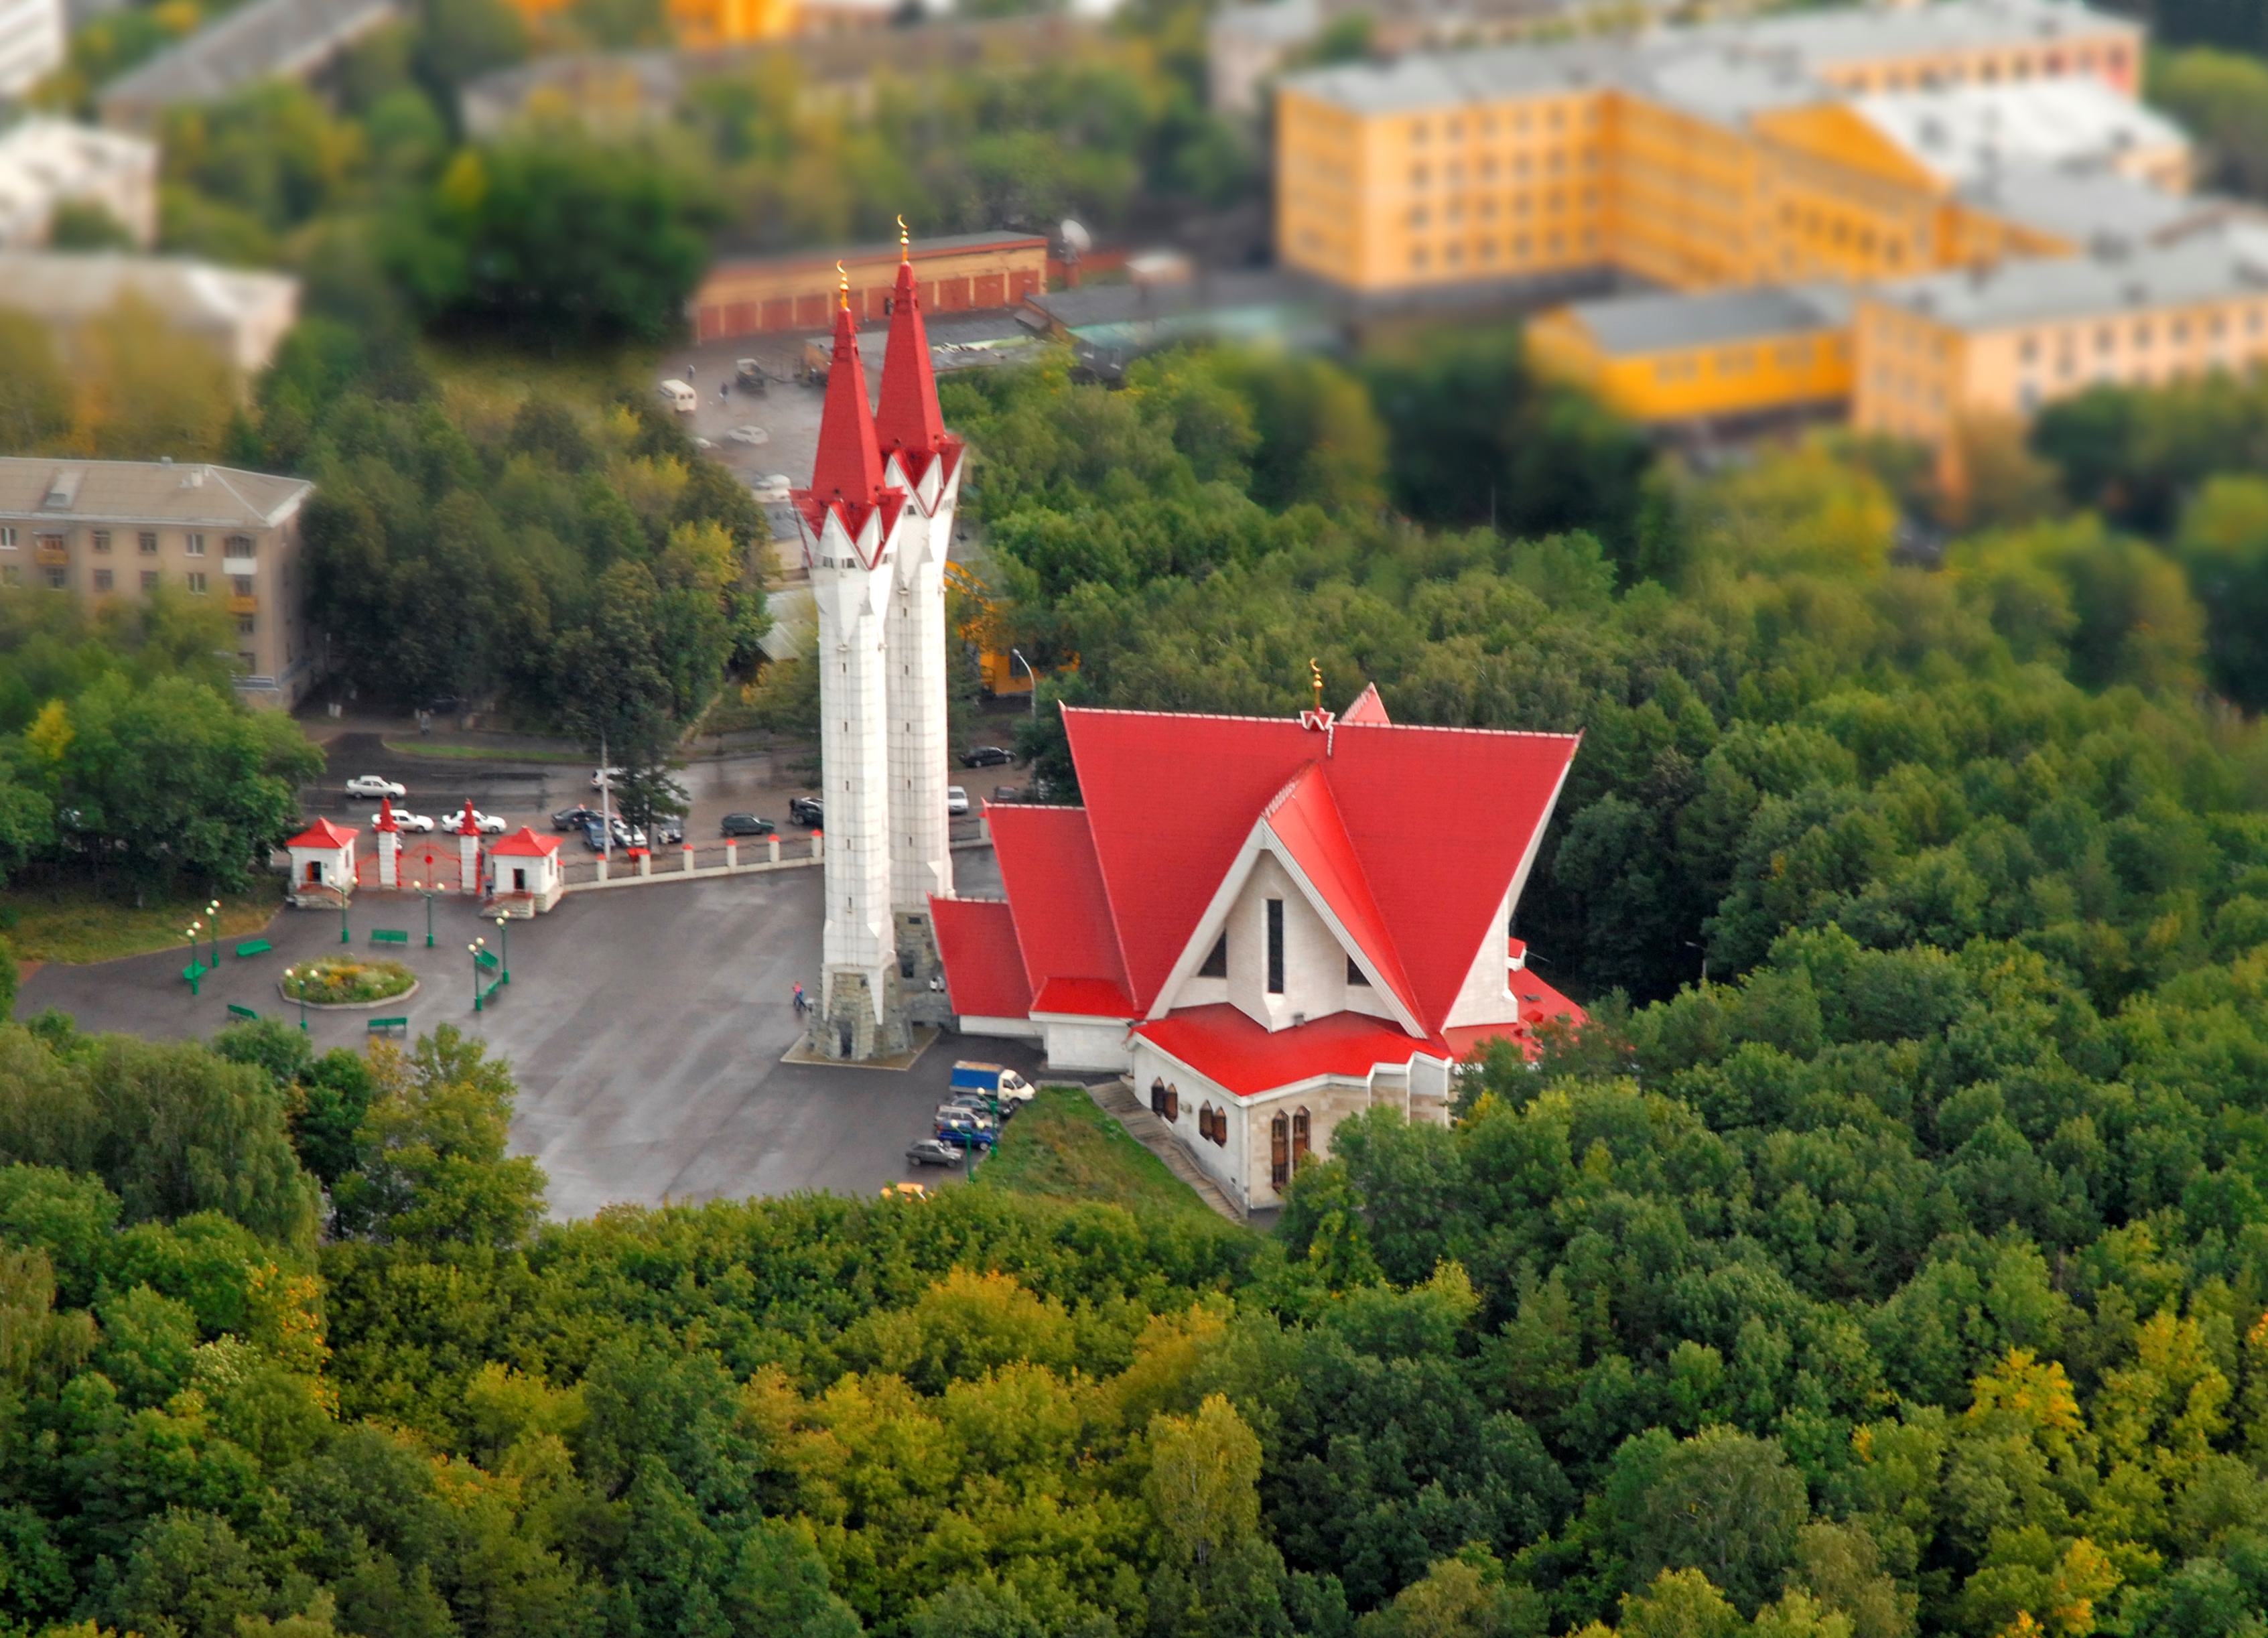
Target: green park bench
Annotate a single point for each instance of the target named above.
(387, 1026)
(245, 1013)
(388, 936)
(252, 947)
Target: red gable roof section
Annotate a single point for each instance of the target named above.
(1439, 819)
(1064, 922)
(323, 833)
(1307, 821)
(983, 970)
(1243, 1057)
(1368, 708)
(525, 843)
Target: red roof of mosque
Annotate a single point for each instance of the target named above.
(323, 833)
(983, 972)
(1411, 837)
(908, 417)
(1244, 1057)
(525, 841)
(1367, 707)
(1064, 937)
(1435, 822)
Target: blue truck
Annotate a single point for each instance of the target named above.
(992, 1080)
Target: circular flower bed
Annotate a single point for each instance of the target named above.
(344, 982)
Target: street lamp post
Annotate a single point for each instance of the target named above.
(504, 949)
(344, 937)
(1018, 655)
(428, 894)
(213, 910)
(474, 947)
(291, 975)
(190, 933)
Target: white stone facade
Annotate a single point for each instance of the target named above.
(920, 756)
(853, 605)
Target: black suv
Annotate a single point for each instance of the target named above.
(748, 824)
(574, 817)
(986, 756)
(808, 810)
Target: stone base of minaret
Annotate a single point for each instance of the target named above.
(921, 969)
(845, 1028)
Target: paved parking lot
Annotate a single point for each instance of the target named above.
(645, 1026)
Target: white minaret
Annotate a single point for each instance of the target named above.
(850, 522)
(921, 459)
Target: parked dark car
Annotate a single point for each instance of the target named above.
(670, 831)
(808, 810)
(966, 1137)
(594, 833)
(573, 818)
(748, 824)
(1007, 793)
(932, 1151)
(986, 756)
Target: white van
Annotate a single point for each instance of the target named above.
(678, 396)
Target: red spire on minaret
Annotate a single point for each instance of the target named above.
(849, 466)
(908, 419)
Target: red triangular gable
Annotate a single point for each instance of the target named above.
(1307, 821)
(323, 833)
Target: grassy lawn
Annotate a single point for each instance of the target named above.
(480, 754)
(1062, 1146)
(76, 923)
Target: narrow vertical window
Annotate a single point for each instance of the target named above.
(1275, 946)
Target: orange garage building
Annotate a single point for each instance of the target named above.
(961, 272)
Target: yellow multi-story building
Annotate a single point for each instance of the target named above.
(2001, 341)
(1719, 356)
(1788, 147)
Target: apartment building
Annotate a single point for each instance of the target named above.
(47, 163)
(1816, 144)
(121, 529)
(2002, 339)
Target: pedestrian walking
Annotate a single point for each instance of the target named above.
(801, 1005)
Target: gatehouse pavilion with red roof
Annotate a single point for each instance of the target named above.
(1325, 929)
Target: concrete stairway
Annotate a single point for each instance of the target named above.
(1118, 1098)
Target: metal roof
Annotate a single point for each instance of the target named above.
(2081, 204)
(145, 492)
(2204, 267)
(268, 37)
(1968, 132)
(1623, 326)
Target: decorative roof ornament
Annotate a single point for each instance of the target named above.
(843, 276)
(905, 242)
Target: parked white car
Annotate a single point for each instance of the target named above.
(371, 786)
(404, 820)
(748, 433)
(956, 799)
(489, 823)
(775, 487)
(602, 777)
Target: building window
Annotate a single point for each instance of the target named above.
(197, 580)
(149, 580)
(197, 543)
(1173, 1102)
(1275, 946)
(1204, 1123)
(102, 580)
(242, 584)
(1301, 1128)
(1279, 1153)
(58, 578)
(238, 545)
(245, 660)
(102, 540)
(244, 628)
(148, 539)
(1216, 964)
(7, 537)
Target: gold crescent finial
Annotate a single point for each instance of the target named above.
(905, 241)
(1316, 672)
(842, 274)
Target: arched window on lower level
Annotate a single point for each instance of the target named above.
(1301, 1129)
(1279, 1152)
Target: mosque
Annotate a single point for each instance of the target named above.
(1268, 923)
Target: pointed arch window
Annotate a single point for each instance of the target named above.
(1301, 1129)
(1279, 1152)
(1204, 1122)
